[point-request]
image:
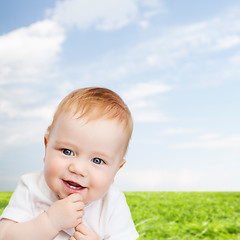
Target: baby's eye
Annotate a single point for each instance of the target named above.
(97, 161)
(67, 152)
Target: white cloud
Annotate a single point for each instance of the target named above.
(140, 98)
(25, 124)
(211, 142)
(235, 59)
(149, 116)
(25, 103)
(23, 133)
(209, 136)
(143, 24)
(28, 52)
(213, 179)
(28, 55)
(227, 42)
(142, 90)
(178, 131)
(102, 15)
(177, 55)
(152, 3)
(24, 118)
(148, 179)
(168, 50)
(180, 46)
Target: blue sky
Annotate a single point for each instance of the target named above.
(175, 63)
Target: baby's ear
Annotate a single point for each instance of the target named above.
(46, 137)
(45, 143)
(122, 163)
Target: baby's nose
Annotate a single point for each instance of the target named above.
(78, 167)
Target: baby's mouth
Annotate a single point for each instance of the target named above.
(74, 185)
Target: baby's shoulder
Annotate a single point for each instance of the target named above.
(31, 179)
(114, 195)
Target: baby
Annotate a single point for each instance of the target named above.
(73, 196)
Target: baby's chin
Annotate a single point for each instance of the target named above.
(62, 195)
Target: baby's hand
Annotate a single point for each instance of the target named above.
(84, 233)
(66, 213)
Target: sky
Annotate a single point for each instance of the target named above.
(175, 64)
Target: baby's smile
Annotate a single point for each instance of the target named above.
(72, 187)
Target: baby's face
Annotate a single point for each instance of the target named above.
(83, 157)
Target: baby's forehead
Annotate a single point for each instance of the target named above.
(72, 125)
(83, 120)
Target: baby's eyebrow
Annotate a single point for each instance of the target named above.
(64, 143)
(102, 155)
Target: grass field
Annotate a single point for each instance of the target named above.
(180, 215)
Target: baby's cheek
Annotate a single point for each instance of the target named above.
(55, 169)
(52, 168)
(102, 184)
(52, 172)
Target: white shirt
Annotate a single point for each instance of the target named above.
(109, 217)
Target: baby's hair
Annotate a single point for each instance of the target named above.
(93, 103)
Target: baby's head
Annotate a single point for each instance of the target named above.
(94, 103)
(86, 143)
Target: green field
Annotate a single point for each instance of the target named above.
(181, 215)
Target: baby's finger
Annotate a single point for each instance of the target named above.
(78, 235)
(75, 197)
(79, 215)
(79, 206)
(82, 228)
